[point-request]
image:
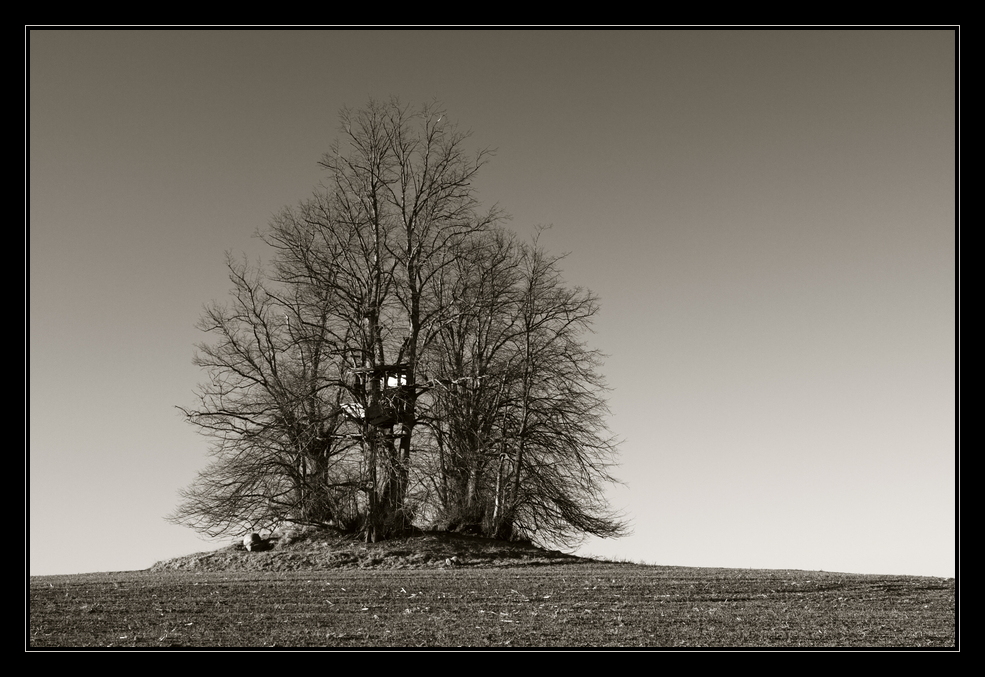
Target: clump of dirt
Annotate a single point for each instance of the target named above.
(313, 549)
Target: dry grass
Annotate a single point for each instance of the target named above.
(319, 551)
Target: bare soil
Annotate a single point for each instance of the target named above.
(586, 604)
(437, 589)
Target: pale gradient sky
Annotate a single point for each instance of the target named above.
(768, 217)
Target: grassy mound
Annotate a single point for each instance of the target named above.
(314, 550)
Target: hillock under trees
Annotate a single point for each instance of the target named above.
(403, 360)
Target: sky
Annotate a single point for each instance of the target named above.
(768, 217)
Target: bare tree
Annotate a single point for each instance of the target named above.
(524, 449)
(404, 359)
(400, 200)
(469, 357)
(270, 408)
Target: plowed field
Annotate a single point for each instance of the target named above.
(578, 604)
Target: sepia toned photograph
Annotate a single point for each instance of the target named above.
(465, 339)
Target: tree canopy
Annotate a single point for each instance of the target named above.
(403, 360)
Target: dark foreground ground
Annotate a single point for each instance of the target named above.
(574, 604)
(314, 588)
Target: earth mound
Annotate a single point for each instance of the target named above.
(313, 549)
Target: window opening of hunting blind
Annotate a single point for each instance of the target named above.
(387, 380)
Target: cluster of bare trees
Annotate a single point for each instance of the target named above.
(404, 360)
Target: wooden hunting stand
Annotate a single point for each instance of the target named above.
(387, 388)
